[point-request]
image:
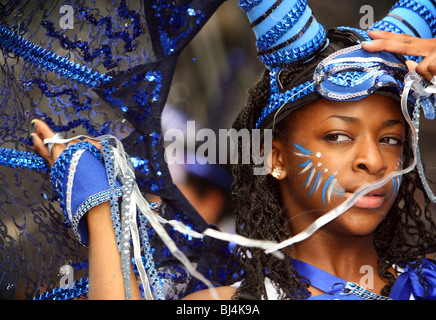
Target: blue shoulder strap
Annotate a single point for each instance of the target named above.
(318, 278)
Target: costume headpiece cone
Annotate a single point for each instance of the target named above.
(416, 18)
(286, 31)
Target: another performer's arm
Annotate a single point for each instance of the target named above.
(105, 275)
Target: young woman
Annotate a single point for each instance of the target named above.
(357, 142)
(322, 153)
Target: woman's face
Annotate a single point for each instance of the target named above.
(333, 149)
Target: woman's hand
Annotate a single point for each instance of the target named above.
(42, 132)
(105, 274)
(406, 45)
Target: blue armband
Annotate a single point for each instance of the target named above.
(80, 181)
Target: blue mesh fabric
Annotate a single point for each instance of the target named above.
(106, 69)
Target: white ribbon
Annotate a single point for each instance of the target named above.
(270, 247)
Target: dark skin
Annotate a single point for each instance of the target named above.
(340, 248)
(345, 245)
(406, 45)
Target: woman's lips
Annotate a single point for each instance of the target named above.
(368, 201)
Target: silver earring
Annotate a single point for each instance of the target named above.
(276, 173)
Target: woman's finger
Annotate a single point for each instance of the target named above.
(427, 67)
(399, 43)
(42, 132)
(406, 45)
(411, 65)
(41, 149)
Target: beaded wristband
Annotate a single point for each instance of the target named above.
(82, 179)
(126, 233)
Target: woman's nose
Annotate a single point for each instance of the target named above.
(369, 157)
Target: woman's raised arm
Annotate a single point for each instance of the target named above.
(105, 274)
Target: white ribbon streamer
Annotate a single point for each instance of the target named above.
(270, 247)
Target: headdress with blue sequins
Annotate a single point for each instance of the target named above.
(111, 74)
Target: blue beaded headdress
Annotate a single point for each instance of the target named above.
(287, 34)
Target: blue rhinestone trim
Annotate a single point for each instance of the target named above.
(279, 99)
(155, 281)
(420, 9)
(14, 43)
(247, 5)
(295, 55)
(291, 40)
(386, 26)
(110, 172)
(21, 159)
(353, 288)
(288, 21)
(79, 290)
(362, 33)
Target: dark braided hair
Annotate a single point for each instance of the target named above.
(401, 238)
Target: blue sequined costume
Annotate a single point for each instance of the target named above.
(109, 73)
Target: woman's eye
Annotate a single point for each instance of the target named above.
(391, 141)
(337, 138)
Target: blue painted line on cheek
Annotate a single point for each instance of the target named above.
(305, 163)
(315, 183)
(397, 184)
(303, 150)
(309, 178)
(326, 185)
(311, 173)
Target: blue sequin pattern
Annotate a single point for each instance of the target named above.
(106, 71)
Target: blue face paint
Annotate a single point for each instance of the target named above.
(316, 183)
(309, 178)
(303, 150)
(308, 162)
(315, 175)
(328, 189)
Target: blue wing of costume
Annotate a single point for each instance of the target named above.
(94, 69)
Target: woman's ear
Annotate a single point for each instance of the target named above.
(274, 161)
